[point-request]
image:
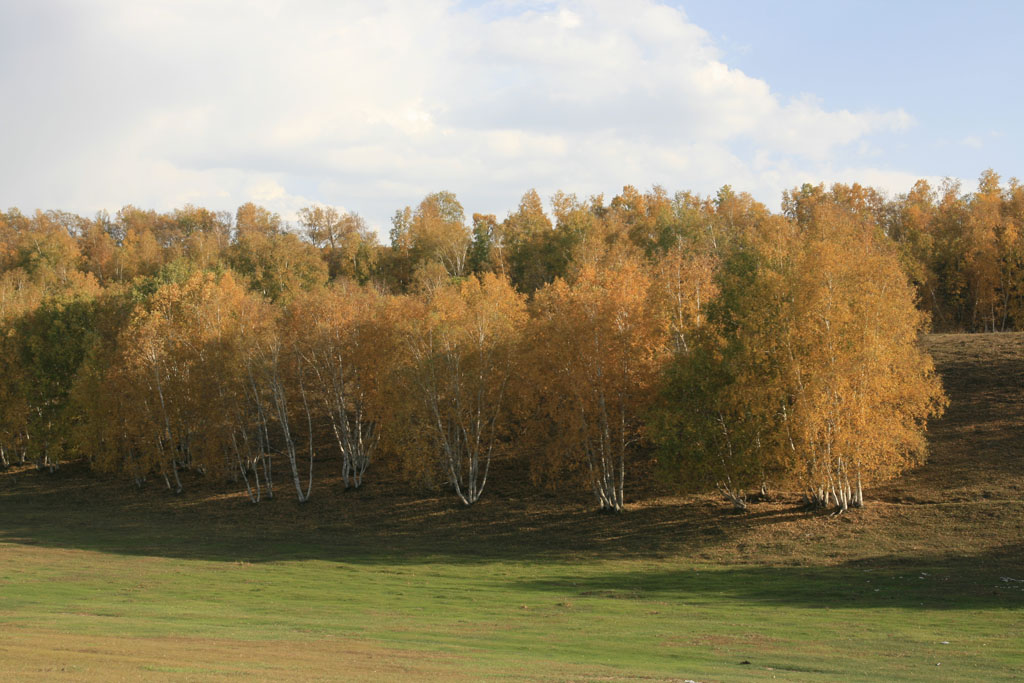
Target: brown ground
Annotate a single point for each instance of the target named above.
(964, 503)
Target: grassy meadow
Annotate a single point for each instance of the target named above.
(99, 581)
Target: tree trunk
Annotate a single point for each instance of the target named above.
(243, 467)
(858, 499)
(267, 478)
(734, 497)
(281, 406)
(177, 480)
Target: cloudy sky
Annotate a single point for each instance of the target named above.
(371, 105)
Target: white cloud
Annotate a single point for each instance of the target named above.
(371, 105)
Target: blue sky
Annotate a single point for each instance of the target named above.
(954, 66)
(370, 106)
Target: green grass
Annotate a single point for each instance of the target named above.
(482, 614)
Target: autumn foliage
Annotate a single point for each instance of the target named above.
(596, 346)
(738, 349)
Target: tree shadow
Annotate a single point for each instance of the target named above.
(382, 523)
(990, 580)
(385, 525)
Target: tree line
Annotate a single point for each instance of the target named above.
(739, 348)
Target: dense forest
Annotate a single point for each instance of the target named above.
(739, 348)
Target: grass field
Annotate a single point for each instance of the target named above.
(101, 581)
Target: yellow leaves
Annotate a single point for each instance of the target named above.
(460, 311)
(457, 353)
(180, 362)
(858, 383)
(811, 363)
(596, 346)
(800, 321)
(434, 232)
(684, 286)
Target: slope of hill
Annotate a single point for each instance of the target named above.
(103, 581)
(966, 499)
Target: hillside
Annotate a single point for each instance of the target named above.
(101, 581)
(965, 501)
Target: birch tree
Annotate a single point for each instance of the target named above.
(458, 346)
(340, 339)
(715, 418)
(857, 388)
(597, 345)
(279, 380)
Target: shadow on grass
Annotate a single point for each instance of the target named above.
(380, 528)
(380, 524)
(991, 580)
(917, 582)
(401, 530)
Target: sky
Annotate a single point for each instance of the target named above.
(369, 106)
